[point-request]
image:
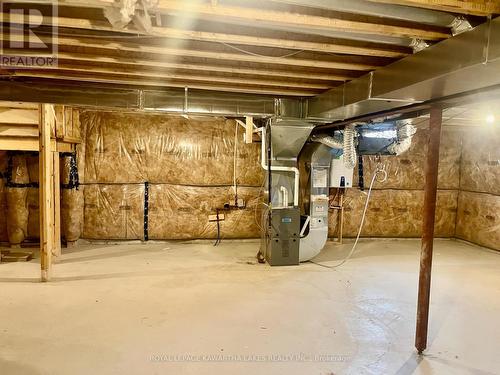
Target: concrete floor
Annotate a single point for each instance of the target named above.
(155, 308)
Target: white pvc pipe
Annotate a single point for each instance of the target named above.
(277, 168)
(284, 196)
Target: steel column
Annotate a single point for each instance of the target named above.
(431, 180)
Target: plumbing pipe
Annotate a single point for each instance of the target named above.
(278, 168)
(284, 196)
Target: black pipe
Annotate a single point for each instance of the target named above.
(146, 211)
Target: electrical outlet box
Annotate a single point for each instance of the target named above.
(214, 217)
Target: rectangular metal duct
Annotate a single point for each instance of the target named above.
(170, 100)
(466, 62)
(288, 137)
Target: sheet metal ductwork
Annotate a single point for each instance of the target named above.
(314, 165)
(282, 141)
(464, 63)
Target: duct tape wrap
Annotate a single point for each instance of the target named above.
(146, 211)
(71, 170)
(361, 179)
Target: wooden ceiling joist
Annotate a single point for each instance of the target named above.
(205, 9)
(297, 19)
(472, 7)
(265, 71)
(161, 84)
(183, 34)
(68, 59)
(265, 47)
(118, 47)
(95, 58)
(164, 77)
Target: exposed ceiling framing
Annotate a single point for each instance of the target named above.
(281, 47)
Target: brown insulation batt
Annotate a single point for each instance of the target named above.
(394, 213)
(480, 170)
(113, 212)
(17, 206)
(175, 212)
(134, 148)
(181, 158)
(189, 164)
(479, 219)
(407, 170)
(71, 204)
(33, 214)
(181, 212)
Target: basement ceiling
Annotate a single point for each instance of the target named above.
(280, 48)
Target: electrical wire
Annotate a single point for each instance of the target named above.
(260, 55)
(380, 170)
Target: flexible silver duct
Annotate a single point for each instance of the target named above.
(350, 157)
(405, 135)
(336, 141)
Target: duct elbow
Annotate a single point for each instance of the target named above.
(406, 132)
(312, 244)
(328, 140)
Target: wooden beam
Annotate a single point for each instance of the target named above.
(16, 143)
(66, 59)
(166, 33)
(57, 205)
(63, 146)
(249, 129)
(254, 15)
(116, 74)
(19, 143)
(18, 116)
(47, 121)
(472, 7)
(59, 109)
(297, 19)
(15, 130)
(158, 83)
(98, 46)
(19, 105)
(430, 196)
(163, 62)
